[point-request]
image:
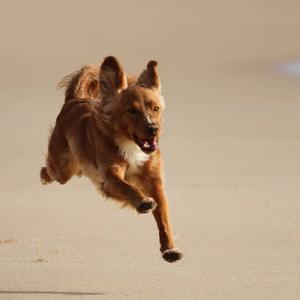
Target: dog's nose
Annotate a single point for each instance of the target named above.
(152, 129)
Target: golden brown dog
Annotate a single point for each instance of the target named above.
(108, 130)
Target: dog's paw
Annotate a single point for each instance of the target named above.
(172, 255)
(146, 206)
(44, 176)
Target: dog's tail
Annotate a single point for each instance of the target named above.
(83, 83)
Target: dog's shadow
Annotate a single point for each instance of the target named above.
(52, 293)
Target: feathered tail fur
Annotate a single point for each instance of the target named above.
(83, 83)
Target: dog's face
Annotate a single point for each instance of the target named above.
(137, 109)
(140, 113)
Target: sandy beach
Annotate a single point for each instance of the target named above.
(231, 149)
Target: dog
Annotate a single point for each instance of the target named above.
(108, 130)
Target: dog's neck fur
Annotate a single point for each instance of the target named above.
(131, 152)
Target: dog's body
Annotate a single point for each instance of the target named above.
(108, 130)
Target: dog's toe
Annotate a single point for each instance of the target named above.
(44, 176)
(172, 255)
(146, 206)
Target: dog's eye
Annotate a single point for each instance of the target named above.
(132, 111)
(156, 108)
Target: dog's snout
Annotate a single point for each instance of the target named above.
(152, 129)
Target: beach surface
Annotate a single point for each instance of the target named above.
(231, 147)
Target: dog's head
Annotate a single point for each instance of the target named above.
(134, 111)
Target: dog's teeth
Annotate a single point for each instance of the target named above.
(146, 145)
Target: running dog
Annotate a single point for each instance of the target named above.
(108, 130)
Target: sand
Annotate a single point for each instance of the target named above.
(231, 148)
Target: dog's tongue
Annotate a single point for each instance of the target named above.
(149, 145)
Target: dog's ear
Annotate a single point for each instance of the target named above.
(149, 77)
(112, 77)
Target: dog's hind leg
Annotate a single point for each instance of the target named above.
(60, 165)
(60, 169)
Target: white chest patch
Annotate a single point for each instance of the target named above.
(132, 153)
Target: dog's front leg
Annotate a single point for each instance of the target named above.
(161, 214)
(115, 186)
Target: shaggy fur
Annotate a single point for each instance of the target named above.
(108, 130)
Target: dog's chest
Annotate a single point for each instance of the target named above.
(133, 155)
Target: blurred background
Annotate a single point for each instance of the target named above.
(230, 73)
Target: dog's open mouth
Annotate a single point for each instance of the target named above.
(147, 145)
